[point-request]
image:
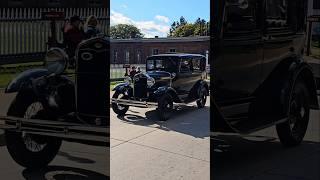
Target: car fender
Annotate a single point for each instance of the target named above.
(25, 78)
(167, 90)
(121, 87)
(303, 72)
(272, 95)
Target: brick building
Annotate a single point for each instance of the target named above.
(54, 3)
(135, 51)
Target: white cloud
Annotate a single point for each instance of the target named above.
(162, 18)
(148, 28)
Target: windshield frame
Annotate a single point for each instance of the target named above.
(175, 63)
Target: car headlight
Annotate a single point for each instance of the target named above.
(150, 81)
(56, 61)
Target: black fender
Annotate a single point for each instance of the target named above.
(24, 79)
(304, 72)
(194, 91)
(272, 95)
(122, 87)
(167, 90)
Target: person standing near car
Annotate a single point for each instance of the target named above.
(73, 35)
(133, 71)
(91, 27)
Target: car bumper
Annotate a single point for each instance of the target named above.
(135, 103)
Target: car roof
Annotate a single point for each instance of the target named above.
(177, 55)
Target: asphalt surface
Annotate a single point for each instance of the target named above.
(260, 156)
(143, 148)
(74, 161)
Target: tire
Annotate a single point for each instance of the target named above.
(292, 132)
(202, 94)
(120, 109)
(165, 107)
(20, 144)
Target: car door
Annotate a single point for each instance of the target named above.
(237, 67)
(186, 77)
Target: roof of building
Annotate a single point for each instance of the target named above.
(177, 55)
(169, 39)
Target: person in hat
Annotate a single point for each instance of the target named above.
(73, 35)
(91, 27)
(133, 71)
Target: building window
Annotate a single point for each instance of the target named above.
(127, 57)
(172, 50)
(115, 56)
(155, 51)
(139, 57)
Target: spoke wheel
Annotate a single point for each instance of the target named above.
(292, 132)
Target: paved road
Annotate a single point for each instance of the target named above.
(74, 161)
(260, 156)
(145, 149)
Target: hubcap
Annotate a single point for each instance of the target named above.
(32, 144)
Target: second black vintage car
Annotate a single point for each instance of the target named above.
(260, 78)
(169, 79)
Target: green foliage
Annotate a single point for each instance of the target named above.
(182, 28)
(125, 31)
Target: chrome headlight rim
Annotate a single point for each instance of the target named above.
(56, 60)
(150, 82)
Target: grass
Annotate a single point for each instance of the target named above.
(5, 79)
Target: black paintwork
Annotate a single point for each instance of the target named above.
(181, 85)
(86, 98)
(256, 59)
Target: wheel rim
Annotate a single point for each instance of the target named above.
(203, 97)
(119, 106)
(32, 143)
(298, 115)
(167, 107)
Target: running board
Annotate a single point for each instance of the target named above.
(64, 130)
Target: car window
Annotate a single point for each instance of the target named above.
(196, 64)
(276, 13)
(162, 64)
(186, 65)
(240, 15)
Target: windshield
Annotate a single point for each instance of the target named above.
(169, 64)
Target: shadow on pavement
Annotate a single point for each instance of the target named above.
(178, 122)
(62, 173)
(262, 157)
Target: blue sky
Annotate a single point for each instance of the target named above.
(154, 17)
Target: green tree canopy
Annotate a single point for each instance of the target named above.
(125, 31)
(182, 28)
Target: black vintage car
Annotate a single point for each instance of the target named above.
(260, 78)
(169, 79)
(52, 105)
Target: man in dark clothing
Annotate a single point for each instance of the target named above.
(73, 35)
(133, 71)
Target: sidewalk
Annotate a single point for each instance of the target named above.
(146, 149)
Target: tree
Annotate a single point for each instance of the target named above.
(125, 31)
(184, 31)
(182, 28)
